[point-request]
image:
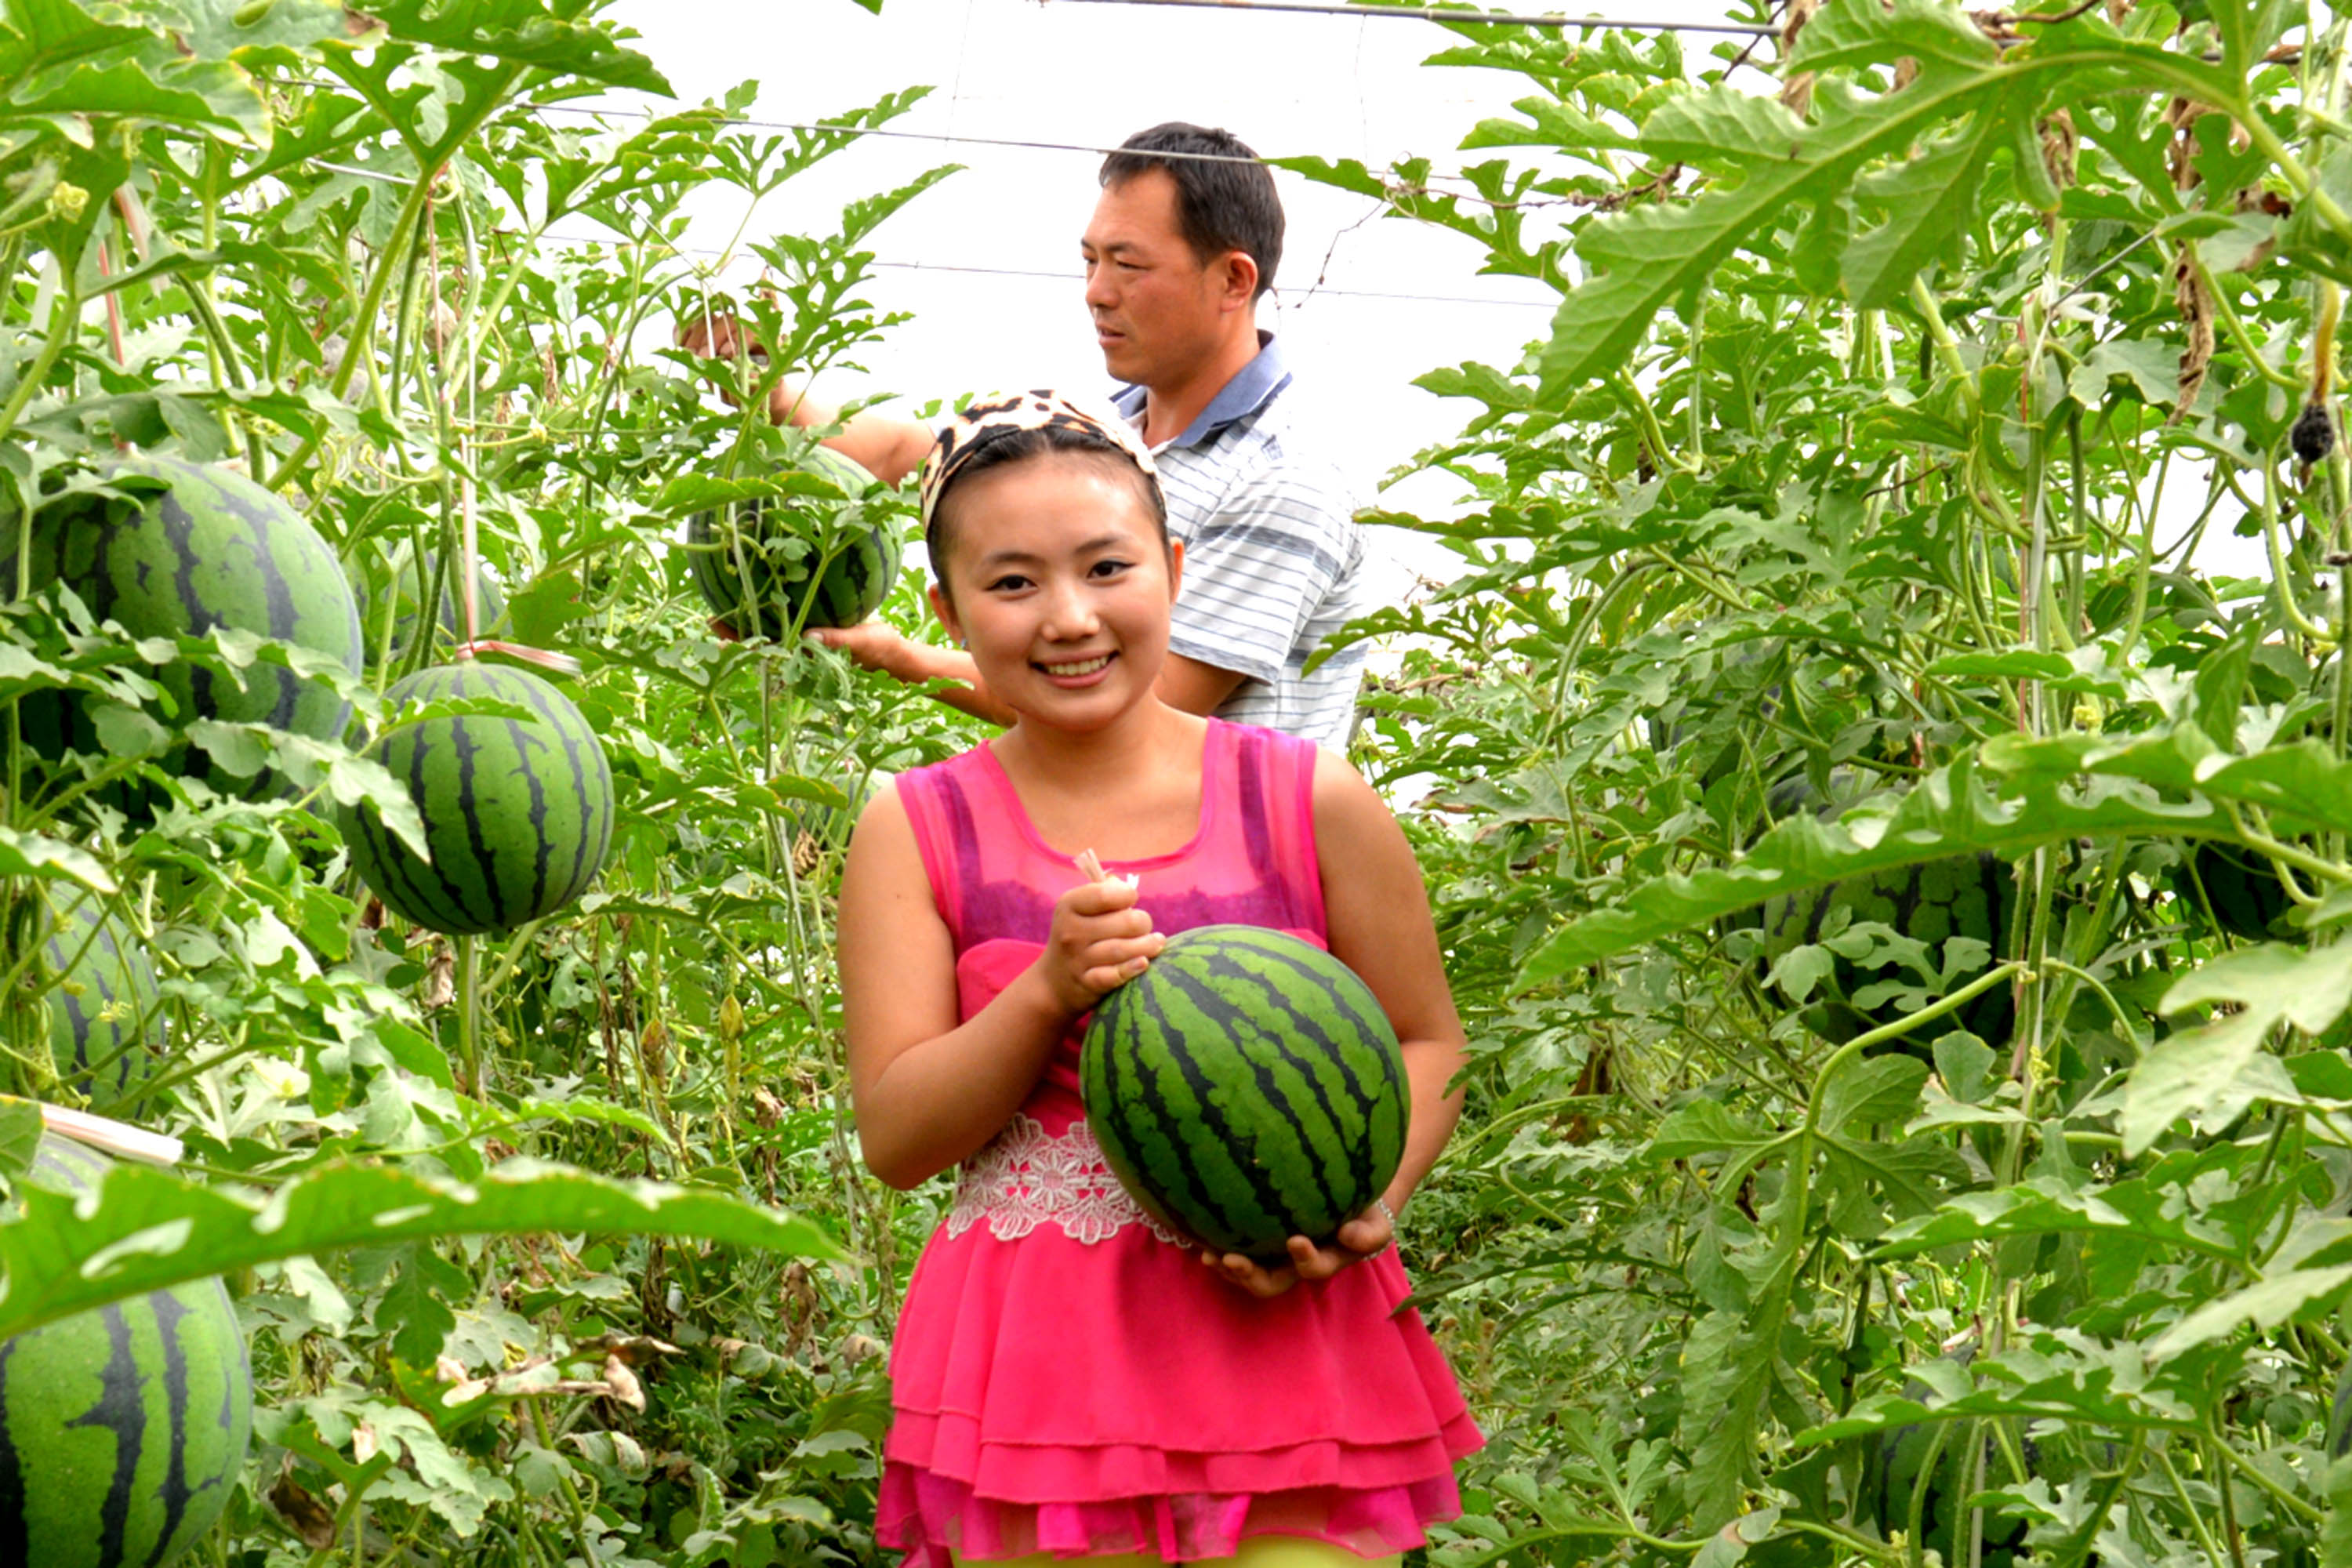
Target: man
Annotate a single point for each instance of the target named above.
(1182, 245)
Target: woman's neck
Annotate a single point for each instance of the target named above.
(1136, 741)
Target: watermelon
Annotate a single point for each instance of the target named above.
(760, 564)
(1962, 895)
(122, 1429)
(1246, 1087)
(104, 1008)
(214, 550)
(1943, 1494)
(518, 811)
(2243, 888)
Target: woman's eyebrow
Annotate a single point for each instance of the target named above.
(994, 559)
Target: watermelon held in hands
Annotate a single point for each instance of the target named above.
(518, 811)
(103, 1005)
(122, 1429)
(1246, 1087)
(772, 566)
(214, 549)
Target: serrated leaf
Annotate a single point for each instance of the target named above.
(2279, 1298)
(145, 1228)
(2216, 1071)
(415, 1308)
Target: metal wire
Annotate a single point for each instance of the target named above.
(1742, 29)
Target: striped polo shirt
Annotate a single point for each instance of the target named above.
(1274, 562)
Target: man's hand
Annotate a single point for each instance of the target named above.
(1368, 1234)
(716, 335)
(873, 645)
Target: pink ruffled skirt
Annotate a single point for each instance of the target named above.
(1085, 1399)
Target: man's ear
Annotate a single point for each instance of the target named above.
(1240, 280)
(944, 607)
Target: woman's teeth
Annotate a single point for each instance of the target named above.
(1084, 666)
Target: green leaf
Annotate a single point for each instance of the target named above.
(2286, 1297)
(415, 1306)
(36, 855)
(1949, 811)
(2215, 1072)
(1649, 256)
(20, 1134)
(146, 1228)
(525, 32)
(1932, 198)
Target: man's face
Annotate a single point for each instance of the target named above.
(1157, 308)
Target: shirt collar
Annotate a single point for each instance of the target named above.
(1251, 389)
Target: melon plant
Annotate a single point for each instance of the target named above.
(1246, 1087)
(397, 585)
(518, 811)
(102, 1002)
(1865, 983)
(212, 549)
(121, 1429)
(769, 566)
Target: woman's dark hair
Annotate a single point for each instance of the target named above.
(1019, 445)
(1225, 198)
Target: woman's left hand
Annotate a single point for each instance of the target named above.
(1368, 1234)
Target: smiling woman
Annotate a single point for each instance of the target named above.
(977, 933)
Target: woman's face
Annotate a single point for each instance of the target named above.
(1059, 585)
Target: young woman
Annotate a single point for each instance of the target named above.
(1069, 1378)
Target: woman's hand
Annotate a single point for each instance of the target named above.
(1099, 941)
(1368, 1234)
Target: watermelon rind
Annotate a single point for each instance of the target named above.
(1931, 902)
(1246, 1087)
(518, 811)
(122, 1429)
(213, 550)
(103, 1002)
(770, 566)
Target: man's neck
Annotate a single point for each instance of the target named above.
(1169, 410)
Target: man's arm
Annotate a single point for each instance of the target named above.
(1184, 683)
(886, 448)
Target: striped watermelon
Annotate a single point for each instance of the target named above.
(519, 813)
(1963, 895)
(2240, 887)
(755, 563)
(104, 1012)
(1247, 1089)
(215, 550)
(122, 1429)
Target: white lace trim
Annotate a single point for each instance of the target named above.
(1025, 1178)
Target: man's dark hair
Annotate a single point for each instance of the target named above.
(1225, 197)
(1024, 445)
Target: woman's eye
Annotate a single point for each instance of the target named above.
(1110, 568)
(1008, 584)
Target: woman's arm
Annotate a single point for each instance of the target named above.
(1376, 910)
(929, 1092)
(1376, 916)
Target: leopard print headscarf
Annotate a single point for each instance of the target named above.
(990, 419)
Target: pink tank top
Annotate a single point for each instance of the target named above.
(1251, 862)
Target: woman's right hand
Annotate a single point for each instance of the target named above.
(1099, 941)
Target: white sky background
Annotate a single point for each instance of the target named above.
(1089, 75)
